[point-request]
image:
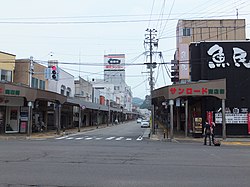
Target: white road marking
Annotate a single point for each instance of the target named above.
(90, 138)
(110, 138)
(139, 138)
(120, 138)
(60, 138)
(80, 138)
(98, 138)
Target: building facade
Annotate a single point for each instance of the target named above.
(228, 60)
(7, 66)
(83, 89)
(114, 73)
(188, 31)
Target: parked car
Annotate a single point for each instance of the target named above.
(139, 120)
(144, 124)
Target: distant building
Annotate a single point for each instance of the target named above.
(7, 66)
(114, 73)
(30, 73)
(83, 90)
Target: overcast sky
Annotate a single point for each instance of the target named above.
(83, 31)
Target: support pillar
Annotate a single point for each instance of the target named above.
(79, 119)
(186, 118)
(30, 114)
(58, 117)
(223, 120)
(178, 119)
(171, 103)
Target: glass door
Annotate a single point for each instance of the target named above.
(12, 122)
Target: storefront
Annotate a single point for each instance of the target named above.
(10, 108)
(184, 103)
(229, 60)
(19, 103)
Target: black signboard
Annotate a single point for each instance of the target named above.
(230, 60)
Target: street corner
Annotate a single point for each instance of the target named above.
(155, 137)
(43, 136)
(235, 143)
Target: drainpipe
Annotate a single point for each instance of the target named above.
(171, 103)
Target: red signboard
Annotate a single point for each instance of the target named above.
(248, 122)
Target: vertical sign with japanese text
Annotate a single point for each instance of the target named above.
(184, 61)
(248, 122)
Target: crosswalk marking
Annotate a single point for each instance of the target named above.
(120, 138)
(62, 137)
(98, 138)
(140, 138)
(89, 138)
(80, 138)
(110, 138)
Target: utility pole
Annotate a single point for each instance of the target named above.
(150, 39)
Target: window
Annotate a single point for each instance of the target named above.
(186, 32)
(6, 75)
(42, 85)
(63, 89)
(68, 92)
(116, 88)
(34, 82)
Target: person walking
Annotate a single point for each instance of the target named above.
(207, 133)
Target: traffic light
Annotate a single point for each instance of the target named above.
(175, 76)
(54, 72)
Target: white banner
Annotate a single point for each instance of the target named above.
(231, 118)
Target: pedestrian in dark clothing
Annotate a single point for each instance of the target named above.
(212, 131)
(207, 133)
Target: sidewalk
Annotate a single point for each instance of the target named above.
(49, 134)
(180, 137)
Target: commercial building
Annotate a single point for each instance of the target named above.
(35, 98)
(188, 31)
(211, 70)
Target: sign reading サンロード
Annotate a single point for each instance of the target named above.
(216, 88)
(190, 91)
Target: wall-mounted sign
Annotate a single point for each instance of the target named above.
(232, 118)
(12, 92)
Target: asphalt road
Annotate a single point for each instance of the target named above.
(94, 159)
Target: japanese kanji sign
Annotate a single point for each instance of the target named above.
(216, 88)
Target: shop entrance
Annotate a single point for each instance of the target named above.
(12, 119)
